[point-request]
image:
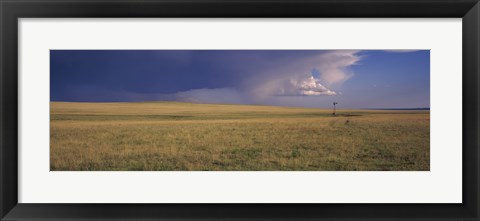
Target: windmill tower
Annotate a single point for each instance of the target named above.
(334, 103)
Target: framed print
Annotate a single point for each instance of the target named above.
(255, 110)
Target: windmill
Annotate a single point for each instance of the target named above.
(334, 103)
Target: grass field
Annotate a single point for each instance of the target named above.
(164, 136)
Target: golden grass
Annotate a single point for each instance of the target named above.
(164, 136)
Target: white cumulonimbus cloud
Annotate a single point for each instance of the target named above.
(333, 66)
(304, 85)
(313, 75)
(297, 78)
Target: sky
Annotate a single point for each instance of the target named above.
(299, 78)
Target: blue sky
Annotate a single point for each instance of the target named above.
(303, 78)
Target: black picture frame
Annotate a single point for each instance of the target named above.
(11, 10)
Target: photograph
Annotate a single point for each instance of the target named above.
(240, 110)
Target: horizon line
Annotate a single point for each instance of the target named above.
(359, 108)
